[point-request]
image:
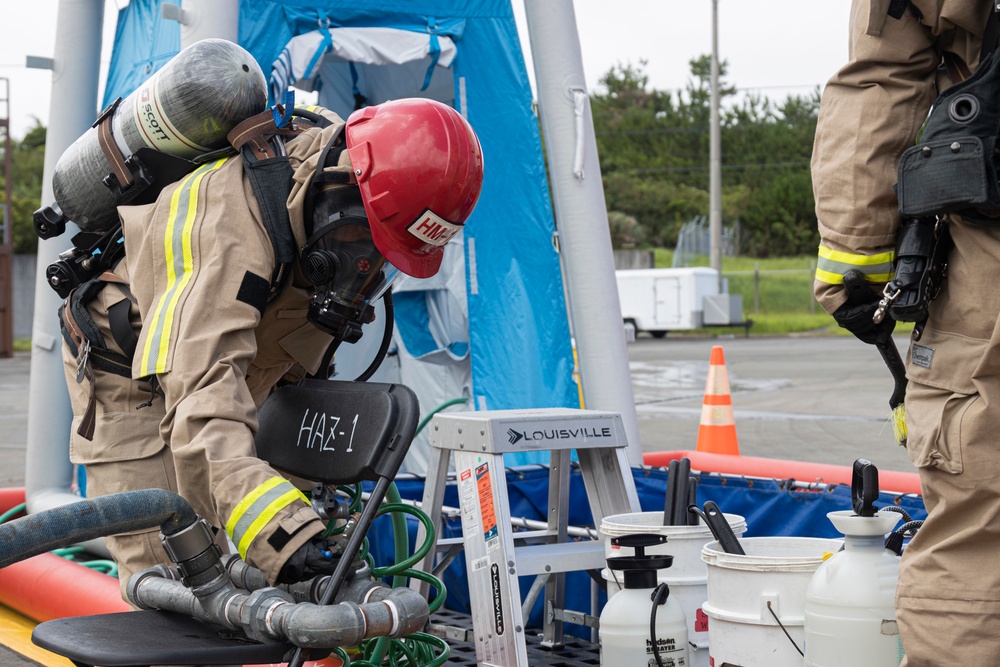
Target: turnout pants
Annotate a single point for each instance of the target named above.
(948, 598)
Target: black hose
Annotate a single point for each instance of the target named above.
(386, 340)
(324, 371)
(899, 510)
(88, 519)
(325, 367)
(658, 596)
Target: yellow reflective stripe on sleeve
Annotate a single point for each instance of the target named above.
(179, 266)
(856, 260)
(258, 508)
(833, 264)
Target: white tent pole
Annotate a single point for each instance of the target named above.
(204, 19)
(581, 213)
(75, 72)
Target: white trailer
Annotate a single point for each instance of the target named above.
(661, 300)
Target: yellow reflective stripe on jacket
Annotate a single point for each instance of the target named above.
(179, 265)
(258, 508)
(832, 264)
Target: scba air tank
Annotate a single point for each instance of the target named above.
(187, 108)
(627, 640)
(850, 617)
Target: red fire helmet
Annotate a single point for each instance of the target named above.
(419, 166)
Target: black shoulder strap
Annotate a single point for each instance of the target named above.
(118, 316)
(78, 326)
(261, 144)
(87, 344)
(266, 165)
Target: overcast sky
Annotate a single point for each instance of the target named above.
(778, 47)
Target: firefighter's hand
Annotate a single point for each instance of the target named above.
(856, 314)
(313, 559)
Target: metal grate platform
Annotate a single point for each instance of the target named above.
(574, 653)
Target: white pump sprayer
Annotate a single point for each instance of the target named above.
(850, 617)
(642, 624)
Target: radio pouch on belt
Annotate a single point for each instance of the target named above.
(922, 247)
(954, 167)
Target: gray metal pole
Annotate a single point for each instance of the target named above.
(76, 68)
(581, 213)
(715, 154)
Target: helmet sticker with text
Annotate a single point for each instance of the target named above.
(433, 229)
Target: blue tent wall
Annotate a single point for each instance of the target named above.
(519, 331)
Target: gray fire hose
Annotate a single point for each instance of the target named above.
(88, 519)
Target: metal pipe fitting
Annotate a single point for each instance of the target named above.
(272, 613)
(400, 611)
(250, 578)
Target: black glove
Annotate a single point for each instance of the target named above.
(856, 314)
(312, 559)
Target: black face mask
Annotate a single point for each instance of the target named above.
(341, 260)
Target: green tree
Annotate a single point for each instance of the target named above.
(27, 163)
(625, 230)
(654, 150)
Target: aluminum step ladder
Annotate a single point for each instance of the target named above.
(495, 555)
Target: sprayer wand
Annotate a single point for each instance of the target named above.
(890, 355)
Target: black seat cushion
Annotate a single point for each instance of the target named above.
(141, 638)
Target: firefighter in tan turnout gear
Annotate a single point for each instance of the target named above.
(886, 206)
(218, 299)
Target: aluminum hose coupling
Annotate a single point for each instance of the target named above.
(197, 556)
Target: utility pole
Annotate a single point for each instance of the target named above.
(715, 155)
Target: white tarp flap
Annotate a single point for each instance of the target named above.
(432, 337)
(303, 58)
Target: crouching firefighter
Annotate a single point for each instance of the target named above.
(246, 273)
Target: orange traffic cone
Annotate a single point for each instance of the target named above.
(717, 430)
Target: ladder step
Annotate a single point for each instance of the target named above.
(563, 557)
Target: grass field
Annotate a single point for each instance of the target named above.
(777, 294)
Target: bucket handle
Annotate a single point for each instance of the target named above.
(783, 629)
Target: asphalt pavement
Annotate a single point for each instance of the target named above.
(14, 373)
(817, 399)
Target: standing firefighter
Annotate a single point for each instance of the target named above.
(885, 209)
(225, 290)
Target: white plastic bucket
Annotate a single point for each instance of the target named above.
(744, 590)
(684, 543)
(687, 576)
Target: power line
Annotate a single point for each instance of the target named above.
(725, 167)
